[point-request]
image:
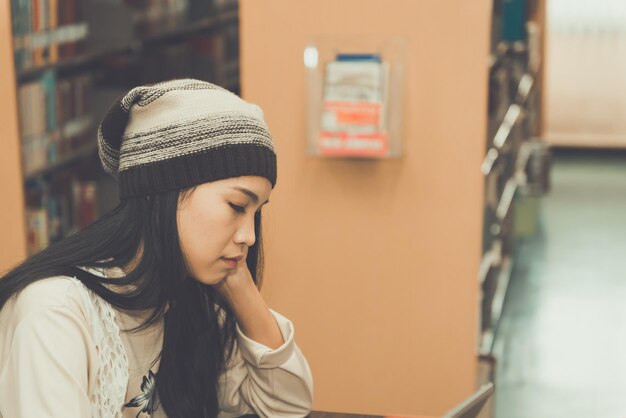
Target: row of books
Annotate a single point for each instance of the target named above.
(57, 111)
(53, 214)
(147, 12)
(45, 31)
(54, 118)
(211, 57)
(156, 16)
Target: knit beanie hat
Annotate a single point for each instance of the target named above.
(180, 133)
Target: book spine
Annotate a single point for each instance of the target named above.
(27, 8)
(48, 81)
(84, 203)
(17, 17)
(67, 9)
(88, 212)
(514, 14)
(38, 52)
(53, 24)
(37, 225)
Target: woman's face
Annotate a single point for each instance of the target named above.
(216, 221)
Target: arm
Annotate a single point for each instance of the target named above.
(253, 315)
(44, 372)
(268, 374)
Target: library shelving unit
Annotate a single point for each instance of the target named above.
(516, 163)
(72, 60)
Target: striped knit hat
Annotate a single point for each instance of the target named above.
(180, 133)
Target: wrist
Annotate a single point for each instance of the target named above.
(234, 290)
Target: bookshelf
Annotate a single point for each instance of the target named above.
(147, 39)
(72, 59)
(516, 163)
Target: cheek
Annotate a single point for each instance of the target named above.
(202, 235)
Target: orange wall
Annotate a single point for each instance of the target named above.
(376, 261)
(12, 224)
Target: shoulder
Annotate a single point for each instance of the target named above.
(58, 292)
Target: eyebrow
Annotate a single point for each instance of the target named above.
(250, 194)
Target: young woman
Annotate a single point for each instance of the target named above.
(154, 310)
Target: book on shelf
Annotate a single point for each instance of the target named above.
(36, 219)
(54, 211)
(53, 48)
(54, 118)
(22, 25)
(225, 4)
(84, 203)
(207, 56)
(152, 15)
(514, 16)
(48, 82)
(32, 123)
(36, 229)
(38, 26)
(45, 31)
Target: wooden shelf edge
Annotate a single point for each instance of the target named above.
(77, 155)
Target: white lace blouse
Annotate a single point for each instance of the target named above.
(62, 355)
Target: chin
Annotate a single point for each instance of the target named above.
(209, 279)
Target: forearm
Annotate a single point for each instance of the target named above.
(253, 316)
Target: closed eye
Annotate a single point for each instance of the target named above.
(242, 209)
(237, 208)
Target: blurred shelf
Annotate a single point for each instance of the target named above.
(232, 83)
(168, 32)
(80, 153)
(487, 337)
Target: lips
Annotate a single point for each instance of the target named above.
(235, 259)
(230, 262)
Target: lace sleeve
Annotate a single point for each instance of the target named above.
(112, 378)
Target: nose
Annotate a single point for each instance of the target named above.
(245, 232)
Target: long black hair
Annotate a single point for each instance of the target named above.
(199, 326)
